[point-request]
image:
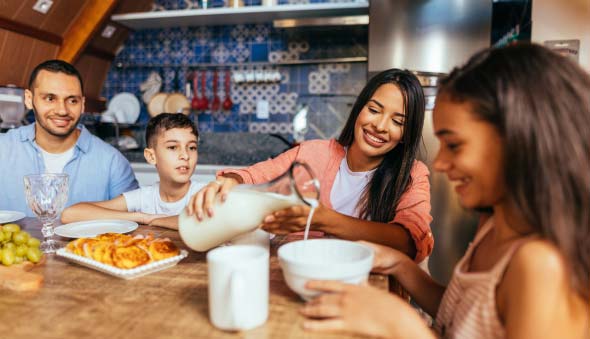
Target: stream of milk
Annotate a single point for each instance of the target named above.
(314, 204)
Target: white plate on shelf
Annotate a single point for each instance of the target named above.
(9, 216)
(127, 107)
(92, 228)
(122, 273)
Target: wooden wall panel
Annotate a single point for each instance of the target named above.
(112, 44)
(3, 36)
(28, 38)
(19, 54)
(94, 73)
(40, 52)
(56, 21)
(80, 33)
(132, 6)
(8, 8)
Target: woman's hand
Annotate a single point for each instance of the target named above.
(386, 259)
(289, 220)
(362, 309)
(204, 199)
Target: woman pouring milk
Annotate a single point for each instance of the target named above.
(373, 188)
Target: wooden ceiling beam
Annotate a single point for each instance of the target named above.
(30, 31)
(80, 32)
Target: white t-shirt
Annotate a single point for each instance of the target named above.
(348, 188)
(147, 199)
(55, 162)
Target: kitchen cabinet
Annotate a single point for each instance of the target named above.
(240, 15)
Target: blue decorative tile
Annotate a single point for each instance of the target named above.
(259, 52)
(188, 48)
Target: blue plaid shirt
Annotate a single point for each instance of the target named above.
(97, 170)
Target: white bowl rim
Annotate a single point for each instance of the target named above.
(366, 256)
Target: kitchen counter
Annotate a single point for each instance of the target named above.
(235, 149)
(79, 302)
(146, 174)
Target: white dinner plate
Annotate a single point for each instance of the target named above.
(92, 228)
(127, 107)
(123, 273)
(9, 216)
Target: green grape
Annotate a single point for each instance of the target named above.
(7, 257)
(19, 259)
(26, 234)
(33, 242)
(1, 236)
(20, 238)
(12, 228)
(7, 235)
(21, 250)
(10, 246)
(34, 254)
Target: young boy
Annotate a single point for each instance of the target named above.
(172, 147)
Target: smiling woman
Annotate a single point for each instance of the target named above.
(373, 188)
(503, 120)
(378, 128)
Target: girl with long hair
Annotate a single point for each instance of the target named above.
(372, 186)
(513, 130)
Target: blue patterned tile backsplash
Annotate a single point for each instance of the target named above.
(252, 50)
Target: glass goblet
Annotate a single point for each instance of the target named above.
(47, 195)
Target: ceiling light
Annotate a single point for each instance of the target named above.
(43, 6)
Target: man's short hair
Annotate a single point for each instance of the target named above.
(55, 66)
(164, 122)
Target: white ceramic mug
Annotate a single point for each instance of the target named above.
(238, 287)
(257, 237)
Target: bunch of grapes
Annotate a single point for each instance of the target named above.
(18, 246)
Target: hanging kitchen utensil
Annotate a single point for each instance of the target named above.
(177, 102)
(215, 104)
(156, 104)
(204, 103)
(227, 103)
(195, 103)
(151, 86)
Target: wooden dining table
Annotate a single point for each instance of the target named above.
(80, 302)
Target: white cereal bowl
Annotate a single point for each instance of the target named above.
(323, 259)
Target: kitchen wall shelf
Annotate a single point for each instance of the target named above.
(241, 15)
(226, 65)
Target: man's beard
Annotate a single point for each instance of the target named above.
(52, 132)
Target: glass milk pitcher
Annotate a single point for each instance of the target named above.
(247, 205)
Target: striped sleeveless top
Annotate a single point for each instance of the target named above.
(468, 307)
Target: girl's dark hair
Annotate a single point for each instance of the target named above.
(166, 121)
(539, 102)
(392, 176)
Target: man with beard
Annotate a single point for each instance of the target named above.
(57, 143)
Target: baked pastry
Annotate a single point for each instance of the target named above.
(123, 251)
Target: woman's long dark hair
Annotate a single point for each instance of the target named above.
(539, 102)
(392, 177)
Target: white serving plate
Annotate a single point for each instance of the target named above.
(92, 228)
(9, 216)
(122, 273)
(126, 105)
